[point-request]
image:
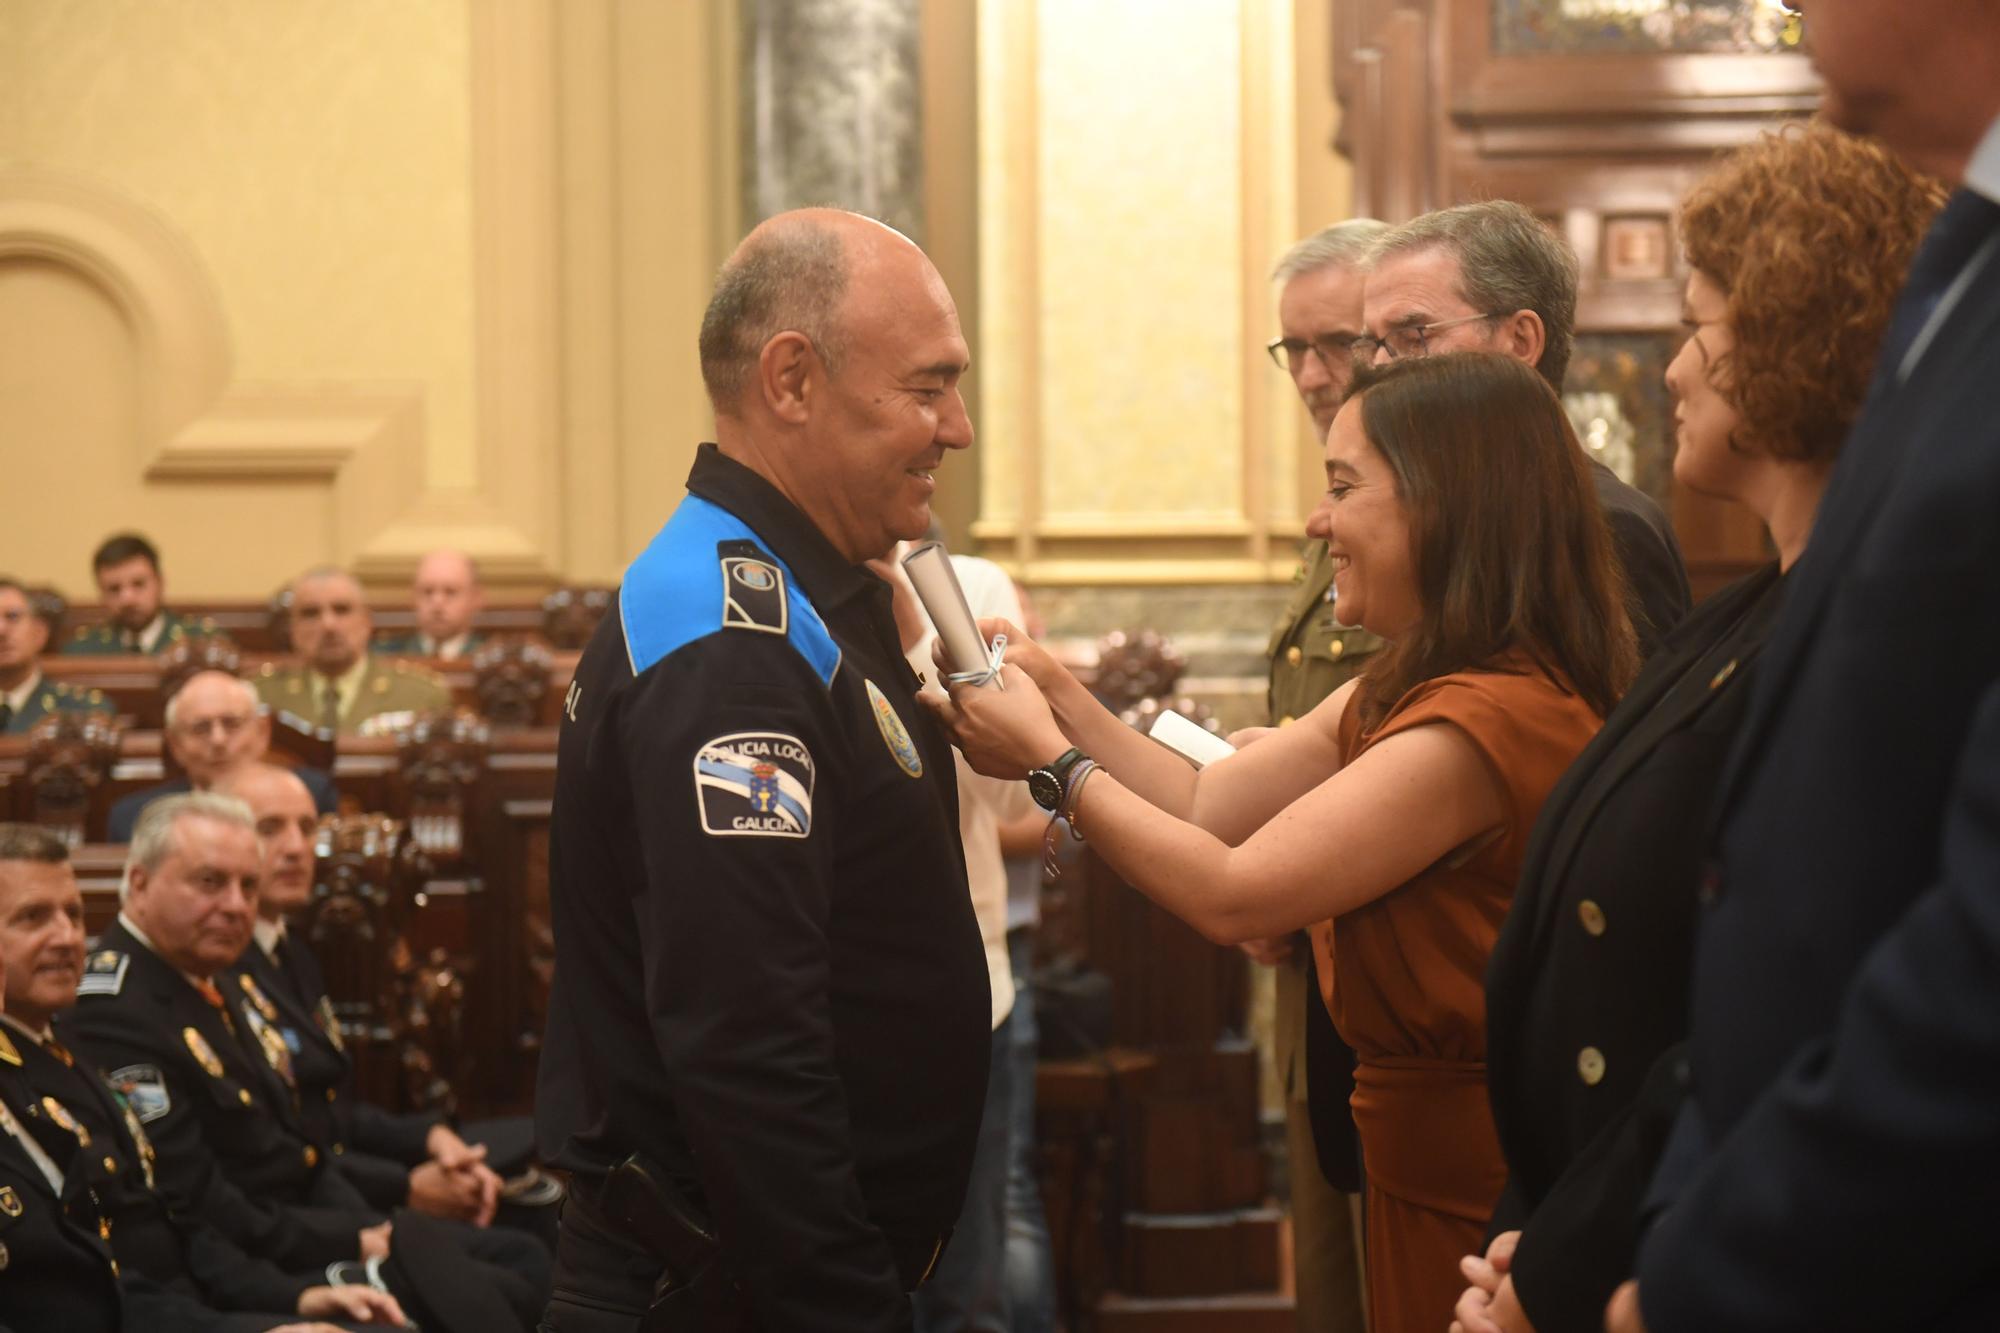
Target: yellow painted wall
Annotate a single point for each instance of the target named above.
(314, 153)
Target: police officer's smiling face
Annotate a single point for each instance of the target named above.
(41, 938)
(892, 412)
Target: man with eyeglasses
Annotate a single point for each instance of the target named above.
(1312, 654)
(214, 727)
(1492, 277)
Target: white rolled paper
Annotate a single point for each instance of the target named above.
(931, 574)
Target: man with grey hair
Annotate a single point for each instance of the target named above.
(771, 999)
(1491, 276)
(215, 725)
(211, 1079)
(339, 686)
(1311, 655)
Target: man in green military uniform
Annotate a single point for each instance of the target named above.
(339, 686)
(446, 595)
(127, 569)
(1312, 654)
(26, 695)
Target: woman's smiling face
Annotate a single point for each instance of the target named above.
(1366, 527)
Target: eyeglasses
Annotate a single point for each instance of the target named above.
(229, 724)
(1409, 339)
(1287, 354)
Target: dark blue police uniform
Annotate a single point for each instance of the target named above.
(769, 979)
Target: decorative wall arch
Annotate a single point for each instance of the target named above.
(149, 272)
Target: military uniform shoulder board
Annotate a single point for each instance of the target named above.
(104, 973)
(8, 1052)
(264, 1006)
(753, 589)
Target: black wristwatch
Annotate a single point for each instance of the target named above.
(1048, 783)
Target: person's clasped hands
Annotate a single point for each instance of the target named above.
(1489, 1304)
(455, 1183)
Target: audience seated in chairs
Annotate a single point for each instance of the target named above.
(26, 695)
(214, 726)
(217, 1091)
(74, 1150)
(446, 595)
(339, 686)
(127, 569)
(393, 1159)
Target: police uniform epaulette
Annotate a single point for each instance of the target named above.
(104, 973)
(707, 573)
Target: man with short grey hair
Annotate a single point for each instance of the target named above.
(1493, 277)
(770, 1023)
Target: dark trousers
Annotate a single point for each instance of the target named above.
(601, 1284)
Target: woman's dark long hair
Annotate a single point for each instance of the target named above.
(1510, 544)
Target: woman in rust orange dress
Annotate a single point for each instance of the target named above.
(1464, 530)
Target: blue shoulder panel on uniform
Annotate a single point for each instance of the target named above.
(674, 593)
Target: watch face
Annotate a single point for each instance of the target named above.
(1042, 785)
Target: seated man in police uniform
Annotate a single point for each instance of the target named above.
(94, 1154)
(215, 725)
(412, 1159)
(770, 987)
(339, 686)
(211, 1080)
(445, 595)
(26, 695)
(127, 569)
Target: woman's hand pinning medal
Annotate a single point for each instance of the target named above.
(1006, 730)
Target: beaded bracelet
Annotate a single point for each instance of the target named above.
(1065, 811)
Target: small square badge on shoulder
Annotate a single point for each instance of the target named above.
(755, 784)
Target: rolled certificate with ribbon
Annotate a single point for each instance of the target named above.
(931, 574)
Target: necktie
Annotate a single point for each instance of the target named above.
(1966, 221)
(6, 714)
(213, 995)
(329, 707)
(56, 1048)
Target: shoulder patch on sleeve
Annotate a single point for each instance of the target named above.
(701, 575)
(144, 1089)
(104, 973)
(753, 589)
(755, 784)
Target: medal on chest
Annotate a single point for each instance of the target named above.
(894, 734)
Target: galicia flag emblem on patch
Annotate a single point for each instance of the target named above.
(755, 784)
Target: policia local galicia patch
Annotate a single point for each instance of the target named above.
(755, 784)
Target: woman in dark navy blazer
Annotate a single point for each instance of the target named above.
(1797, 245)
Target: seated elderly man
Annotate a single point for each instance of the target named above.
(212, 1081)
(26, 695)
(127, 570)
(446, 595)
(339, 686)
(214, 726)
(392, 1159)
(89, 1150)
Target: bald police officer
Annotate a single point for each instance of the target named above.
(770, 986)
